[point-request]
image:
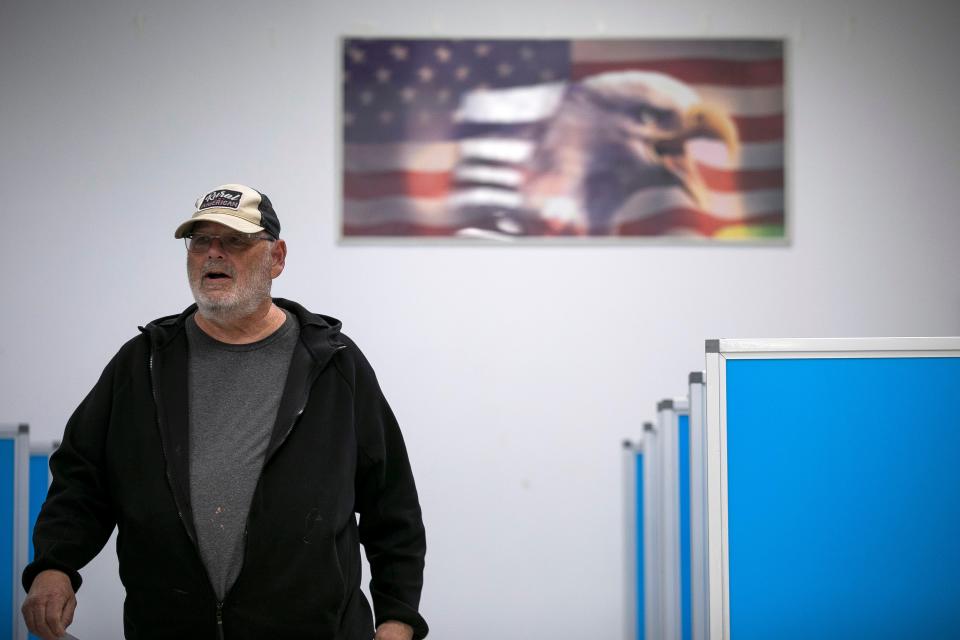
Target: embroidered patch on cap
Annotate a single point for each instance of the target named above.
(221, 198)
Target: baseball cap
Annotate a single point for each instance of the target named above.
(236, 206)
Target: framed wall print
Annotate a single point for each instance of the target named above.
(519, 140)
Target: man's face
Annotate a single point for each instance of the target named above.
(232, 284)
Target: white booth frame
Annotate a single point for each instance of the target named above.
(630, 452)
(670, 614)
(652, 527)
(699, 600)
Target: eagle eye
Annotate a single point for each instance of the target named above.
(646, 117)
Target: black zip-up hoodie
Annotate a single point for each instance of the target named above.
(335, 450)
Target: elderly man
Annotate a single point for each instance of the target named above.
(233, 446)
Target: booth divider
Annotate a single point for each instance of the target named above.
(833, 488)
(14, 530)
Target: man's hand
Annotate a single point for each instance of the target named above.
(48, 609)
(392, 630)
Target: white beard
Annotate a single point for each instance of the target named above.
(238, 302)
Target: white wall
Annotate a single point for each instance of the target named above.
(515, 371)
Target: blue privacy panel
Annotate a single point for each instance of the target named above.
(683, 469)
(844, 498)
(39, 484)
(7, 468)
(639, 554)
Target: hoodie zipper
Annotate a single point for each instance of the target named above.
(303, 407)
(220, 620)
(163, 448)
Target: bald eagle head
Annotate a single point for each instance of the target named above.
(612, 138)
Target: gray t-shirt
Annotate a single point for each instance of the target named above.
(234, 395)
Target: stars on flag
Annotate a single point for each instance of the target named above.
(356, 54)
(411, 89)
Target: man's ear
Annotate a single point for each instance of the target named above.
(278, 253)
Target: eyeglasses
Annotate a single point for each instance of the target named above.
(231, 242)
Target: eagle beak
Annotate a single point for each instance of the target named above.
(709, 121)
(699, 121)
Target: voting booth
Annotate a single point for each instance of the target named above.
(673, 426)
(652, 533)
(665, 516)
(14, 499)
(24, 481)
(633, 540)
(39, 485)
(658, 521)
(833, 488)
(698, 506)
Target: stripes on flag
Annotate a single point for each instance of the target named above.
(438, 133)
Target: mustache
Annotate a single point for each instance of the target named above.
(216, 266)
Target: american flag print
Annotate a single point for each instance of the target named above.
(504, 139)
